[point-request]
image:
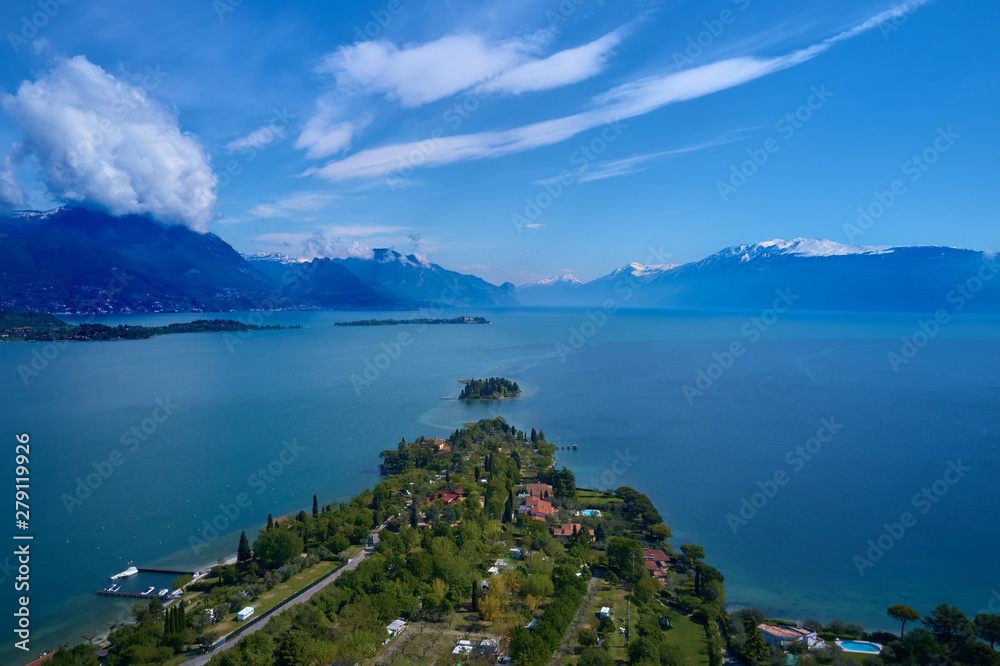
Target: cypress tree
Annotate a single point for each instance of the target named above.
(243, 552)
(475, 596)
(413, 514)
(315, 506)
(270, 521)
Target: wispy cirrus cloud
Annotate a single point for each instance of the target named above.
(292, 206)
(258, 138)
(417, 74)
(632, 99)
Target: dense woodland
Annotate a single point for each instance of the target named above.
(493, 388)
(34, 326)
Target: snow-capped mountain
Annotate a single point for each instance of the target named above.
(272, 256)
(821, 274)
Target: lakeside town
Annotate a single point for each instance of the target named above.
(477, 549)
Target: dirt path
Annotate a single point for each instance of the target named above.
(566, 647)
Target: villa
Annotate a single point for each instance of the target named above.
(569, 530)
(538, 490)
(533, 506)
(780, 636)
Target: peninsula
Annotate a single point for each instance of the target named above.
(36, 326)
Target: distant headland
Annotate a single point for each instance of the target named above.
(396, 322)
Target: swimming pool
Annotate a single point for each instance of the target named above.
(860, 646)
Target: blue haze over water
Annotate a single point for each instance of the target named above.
(619, 397)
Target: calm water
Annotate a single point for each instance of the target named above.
(283, 402)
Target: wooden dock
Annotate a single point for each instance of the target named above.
(165, 571)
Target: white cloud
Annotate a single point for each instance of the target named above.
(322, 245)
(559, 69)
(327, 132)
(101, 141)
(622, 102)
(11, 194)
(290, 206)
(418, 74)
(258, 138)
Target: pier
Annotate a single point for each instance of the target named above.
(134, 595)
(165, 571)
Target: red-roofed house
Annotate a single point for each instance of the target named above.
(569, 530)
(449, 496)
(538, 489)
(533, 506)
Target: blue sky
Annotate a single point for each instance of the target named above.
(514, 140)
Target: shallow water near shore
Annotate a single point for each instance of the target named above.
(259, 424)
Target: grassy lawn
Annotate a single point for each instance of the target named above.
(278, 593)
(688, 636)
(589, 497)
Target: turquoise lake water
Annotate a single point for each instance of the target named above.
(809, 432)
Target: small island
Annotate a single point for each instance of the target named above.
(494, 388)
(40, 327)
(425, 320)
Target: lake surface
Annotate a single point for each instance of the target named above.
(277, 416)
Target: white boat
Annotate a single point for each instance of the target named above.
(163, 592)
(115, 588)
(131, 571)
(148, 590)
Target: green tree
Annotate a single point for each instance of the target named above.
(413, 514)
(270, 521)
(243, 552)
(276, 547)
(693, 554)
(948, 624)
(755, 649)
(988, 628)
(623, 556)
(315, 506)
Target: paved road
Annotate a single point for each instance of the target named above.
(302, 598)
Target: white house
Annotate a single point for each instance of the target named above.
(395, 628)
(780, 636)
(604, 612)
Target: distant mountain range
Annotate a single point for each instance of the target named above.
(819, 274)
(78, 260)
